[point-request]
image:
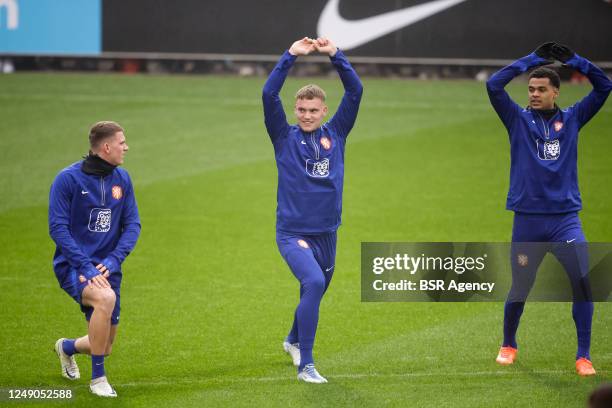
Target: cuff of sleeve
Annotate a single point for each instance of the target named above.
(575, 61)
(111, 262)
(287, 54)
(88, 271)
(338, 53)
(535, 59)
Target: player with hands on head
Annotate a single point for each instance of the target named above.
(93, 219)
(310, 162)
(543, 191)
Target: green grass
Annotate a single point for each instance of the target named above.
(207, 299)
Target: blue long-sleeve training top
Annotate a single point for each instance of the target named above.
(310, 164)
(92, 219)
(543, 153)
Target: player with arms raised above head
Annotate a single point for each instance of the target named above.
(544, 191)
(310, 161)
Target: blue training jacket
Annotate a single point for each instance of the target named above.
(310, 164)
(543, 154)
(92, 219)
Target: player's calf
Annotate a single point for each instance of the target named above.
(103, 302)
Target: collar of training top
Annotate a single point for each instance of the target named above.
(546, 113)
(96, 166)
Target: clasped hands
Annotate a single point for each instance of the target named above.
(307, 45)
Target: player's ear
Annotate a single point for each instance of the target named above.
(556, 92)
(324, 110)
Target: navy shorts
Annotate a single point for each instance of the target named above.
(74, 288)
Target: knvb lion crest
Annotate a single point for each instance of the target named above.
(549, 150)
(319, 169)
(100, 220)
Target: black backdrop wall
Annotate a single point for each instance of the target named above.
(473, 29)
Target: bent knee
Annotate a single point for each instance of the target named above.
(103, 299)
(108, 297)
(316, 285)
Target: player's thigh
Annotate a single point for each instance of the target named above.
(298, 254)
(324, 249)
(525, 259)
(574, 257)
(70, 282)
(568, 229)
(571, 248)
(529, 228)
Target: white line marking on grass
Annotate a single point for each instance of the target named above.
(356, 376)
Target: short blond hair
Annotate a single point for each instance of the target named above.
(311, 91)
(102, 130)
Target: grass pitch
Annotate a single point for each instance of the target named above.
(207, 299)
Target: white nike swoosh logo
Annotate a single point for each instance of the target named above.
(303, 142)
(570, 240)
(84, 192)
(348, 34)
(330, 268)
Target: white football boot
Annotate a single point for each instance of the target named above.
(294, 351)
(310, 374)
(70, 370)
(102, 388)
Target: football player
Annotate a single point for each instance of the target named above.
(543, 190)
(310, 161)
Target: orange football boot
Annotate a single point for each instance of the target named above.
(506, 355)
(584, 367)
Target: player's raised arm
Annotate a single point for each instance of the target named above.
(505, 107)
(60, 200)
(602, 85)
(274, 114)
(345, 116)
